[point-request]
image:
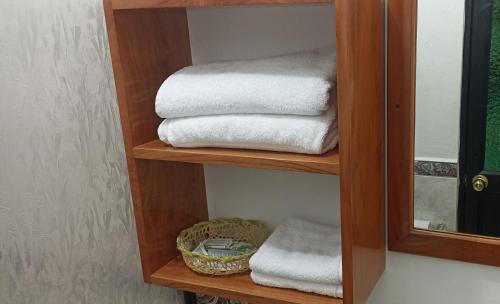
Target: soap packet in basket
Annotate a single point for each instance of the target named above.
(223, 247)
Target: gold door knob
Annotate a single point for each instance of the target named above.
(479, 183)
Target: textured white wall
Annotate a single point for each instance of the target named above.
(440, 34)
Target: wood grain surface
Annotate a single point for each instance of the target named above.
(327, 163)
(138, 4)
(167, 196)
(240, 287)
(360, 55)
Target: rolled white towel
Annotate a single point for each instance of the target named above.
(286, 133)
(302, 251)
(296, 84)
(320, 288)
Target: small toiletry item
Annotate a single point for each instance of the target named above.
(222, 252)
(242, 247)
(237, 248)
(218, 243)
(223, 247)
(201, 248)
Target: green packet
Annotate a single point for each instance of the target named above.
(235, 248)
(242, 247)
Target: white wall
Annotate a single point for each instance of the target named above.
(256, 31)
(411, 279)
(273, 195)
(249, 32)
(440, 34)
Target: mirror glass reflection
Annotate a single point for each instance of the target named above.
(457, 122)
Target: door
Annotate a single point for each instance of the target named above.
(479, 160)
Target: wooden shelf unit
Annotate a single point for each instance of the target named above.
(149, 40)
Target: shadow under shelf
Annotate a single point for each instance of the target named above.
(327, 163)
(177, 275)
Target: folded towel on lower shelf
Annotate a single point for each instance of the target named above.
(286, 133)
(272, 281)
(297, 84)
(303, 251)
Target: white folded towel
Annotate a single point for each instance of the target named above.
(320, 288)
(297, 84)
(287, 133)
(301, 251)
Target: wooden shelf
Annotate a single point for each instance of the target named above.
(168, 185)
(138, 4)
(176, 275)
(327, 163)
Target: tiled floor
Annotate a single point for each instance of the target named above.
(436, 201)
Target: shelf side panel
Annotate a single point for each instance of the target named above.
(152, 45)
(146, 46)
(360, 55)
(172, 198)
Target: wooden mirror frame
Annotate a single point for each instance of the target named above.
(403, 237)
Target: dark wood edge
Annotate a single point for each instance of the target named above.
(401, 53)
(401, 44)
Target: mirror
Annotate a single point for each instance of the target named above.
(457, 117)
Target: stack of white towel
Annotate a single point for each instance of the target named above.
(301, 255)
(284, 103)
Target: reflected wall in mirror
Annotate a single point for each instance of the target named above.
(457, 117)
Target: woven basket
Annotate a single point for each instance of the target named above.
(250, 231)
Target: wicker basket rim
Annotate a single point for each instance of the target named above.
(187, 252)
